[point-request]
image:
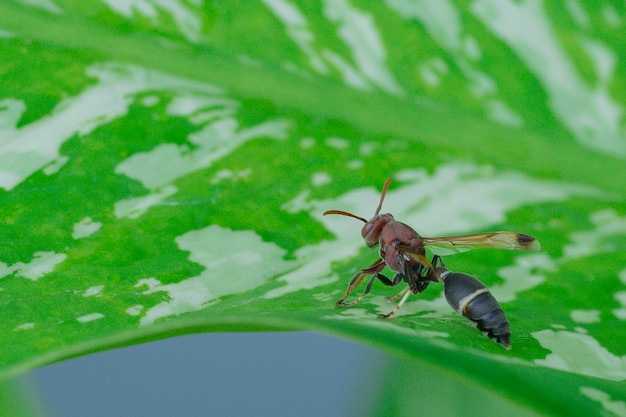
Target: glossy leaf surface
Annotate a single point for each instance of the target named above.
(164, 168)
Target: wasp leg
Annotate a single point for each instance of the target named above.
(433, 275)
(412, 287)
(398, 295)
(398, 307)
(414, 277)
(368, 287)
(356, 280)
(421, 259)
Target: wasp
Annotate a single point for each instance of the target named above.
(402, 249)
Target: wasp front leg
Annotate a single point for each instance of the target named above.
(390, 283)
(356, 280)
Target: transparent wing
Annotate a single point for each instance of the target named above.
(446, 245)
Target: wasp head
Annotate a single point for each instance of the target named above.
(372, 228)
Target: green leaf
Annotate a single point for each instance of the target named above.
(165, 167)
(17, 400)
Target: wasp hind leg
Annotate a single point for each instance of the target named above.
(414, 286)
(404, 294)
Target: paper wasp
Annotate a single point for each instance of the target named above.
(402, 249)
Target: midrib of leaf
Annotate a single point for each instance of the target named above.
(372, 112)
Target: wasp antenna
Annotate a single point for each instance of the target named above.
(382, 196)
(345, 213)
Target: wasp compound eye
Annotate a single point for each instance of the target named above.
(367, 229)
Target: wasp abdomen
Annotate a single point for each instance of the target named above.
(470, 298)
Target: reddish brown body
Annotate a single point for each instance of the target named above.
(394, 236)
(402, 249)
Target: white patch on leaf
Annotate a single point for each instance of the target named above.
(359, 34)
(358, 31)
(47, 5)
(202, 108)
(96, 290)
(227, 174)
(581, 354)
(443, 22)
(34, 146)
(588, 111)
(433, 70)
(585, 316)
(183, 13)
(137, 206)
(219, 251)
(620, 296)
(320, 178)
(56, 165)
(90, 317)
(298, 30)
(612, 407)
(169, 161)
(41, 264)
(85, 227)
(609, 235)
(455, 199)
(134, 310)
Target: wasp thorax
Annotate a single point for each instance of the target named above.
(371, 230)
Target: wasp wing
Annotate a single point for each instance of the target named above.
(446, 245)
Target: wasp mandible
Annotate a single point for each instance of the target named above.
(402, 249)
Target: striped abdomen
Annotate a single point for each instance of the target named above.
(470, 298)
